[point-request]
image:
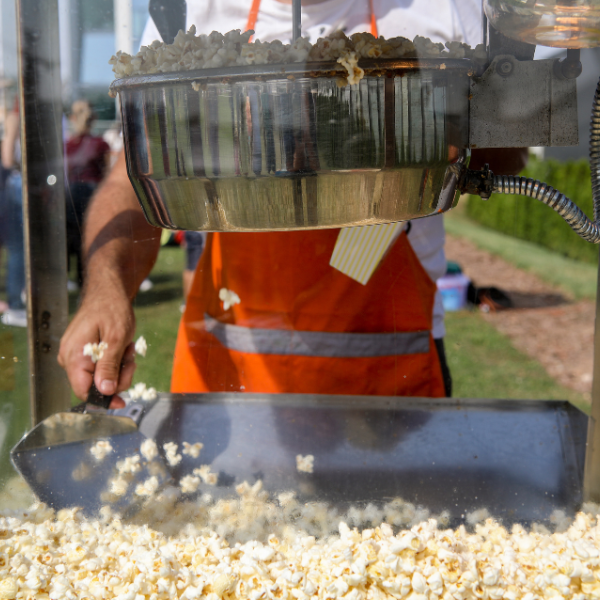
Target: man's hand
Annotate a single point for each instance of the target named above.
(93, 323)
(120, 250)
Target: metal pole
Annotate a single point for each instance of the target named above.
(43, 202)
(296, 19)
(591, 479)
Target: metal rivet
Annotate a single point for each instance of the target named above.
(46, 348)
(46, 316)
(51, 179)
(505, 67)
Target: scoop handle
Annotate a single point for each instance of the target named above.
(94, 398)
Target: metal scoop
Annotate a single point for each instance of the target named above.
(77, 459)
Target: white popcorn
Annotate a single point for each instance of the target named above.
(149, 450)
(141, 346)
(148, 488)
(477, 516)
(206, 475)
(95, 351)
(229, 298)
(130, 464)
(250, 547)
(189, 484)
(101, 449)
(118, 486)
(305, 463)
(171, 454)
(140, 392)
(192, 450)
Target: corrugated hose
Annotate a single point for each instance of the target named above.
(566, 208)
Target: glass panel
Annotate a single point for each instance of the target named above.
(262, 234)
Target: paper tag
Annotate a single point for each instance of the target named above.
(359, 250)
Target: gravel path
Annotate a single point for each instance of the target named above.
(545, 324)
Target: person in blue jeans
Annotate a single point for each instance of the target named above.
(15, 276)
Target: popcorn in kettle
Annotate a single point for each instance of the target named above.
(190, 51)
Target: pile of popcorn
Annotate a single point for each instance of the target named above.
(53, 556)
(190, 51)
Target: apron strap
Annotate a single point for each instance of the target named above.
(253, 17)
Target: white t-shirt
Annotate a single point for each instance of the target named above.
(440, 20)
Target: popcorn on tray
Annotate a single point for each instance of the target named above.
(101, 449)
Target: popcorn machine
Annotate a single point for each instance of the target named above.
(293, 146)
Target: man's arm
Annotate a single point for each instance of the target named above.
(120, 248)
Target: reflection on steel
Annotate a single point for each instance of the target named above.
(293, 147)
(520, 460)
(43, 202)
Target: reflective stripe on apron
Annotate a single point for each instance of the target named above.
(316, 343)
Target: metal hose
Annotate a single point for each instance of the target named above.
(566, 208)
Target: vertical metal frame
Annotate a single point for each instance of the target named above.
(43, 202)
(591, 480)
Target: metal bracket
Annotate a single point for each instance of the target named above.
(517, 103)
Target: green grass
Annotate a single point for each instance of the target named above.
(484, 364)
(576, 279)
(157, 315)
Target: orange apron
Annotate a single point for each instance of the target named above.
(301, 325)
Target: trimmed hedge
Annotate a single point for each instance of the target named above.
(529, 219)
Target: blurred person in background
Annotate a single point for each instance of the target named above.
(194, 244)
(15, 314)
(88, 160)
(4, 173)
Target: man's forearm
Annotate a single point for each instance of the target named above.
(120, 246)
